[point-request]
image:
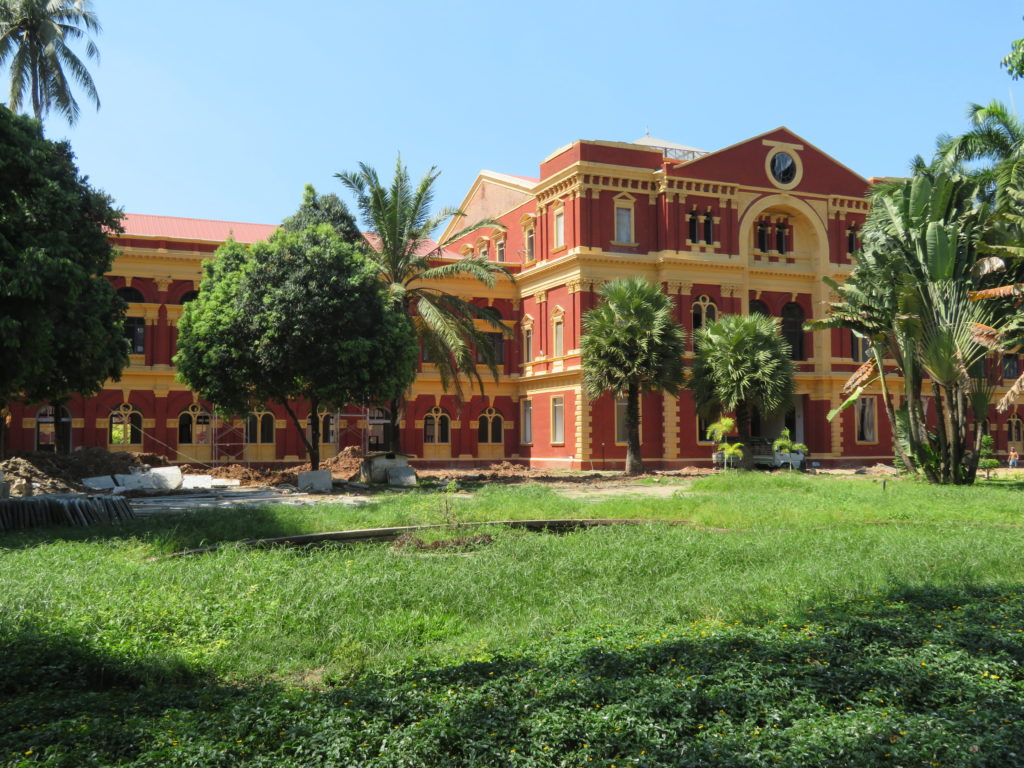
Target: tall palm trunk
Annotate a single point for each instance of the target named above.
(394, 441)
(743, 426)
(634, 462)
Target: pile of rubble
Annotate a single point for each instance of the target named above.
(42, 472)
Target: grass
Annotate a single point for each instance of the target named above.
(875, 582)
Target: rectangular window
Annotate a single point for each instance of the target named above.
(559, 229)
(762, 237)
(624, 225)
(135, 332)
(527, 436)
(780, 238)
(694, 228)
(530, 253)
(1011, 367)
(851, 241)
(558, 421)
(500, 251)
(559, 339)
(497, 344)
(866, 420)
(702, 429)
(860, 349)
(483, 252)
(621, 415)
(709, 229)
(528, 345)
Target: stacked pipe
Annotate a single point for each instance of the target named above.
(39, 511)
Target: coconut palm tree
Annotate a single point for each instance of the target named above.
(996, 141)
(399, 222)
(742, 363)
(34, 37)
(631, 342)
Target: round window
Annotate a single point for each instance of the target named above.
(783, 167)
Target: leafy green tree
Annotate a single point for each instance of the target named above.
(630, 342)
(324, 209)
(988, 460)
(399, 221)
(34, 36)
(301, 317)
(1013, 62)
(61, 322)
(742, 363)
(910, 294)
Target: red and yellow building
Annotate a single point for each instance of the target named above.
(750, 228)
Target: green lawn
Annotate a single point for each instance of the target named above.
(799, 621)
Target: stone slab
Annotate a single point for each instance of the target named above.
(402, 476)
(225, 482)
(165, 478)
(196, 481)
(320, 480)
(99, 483)
(133, 482)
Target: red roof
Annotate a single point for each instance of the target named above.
(174, 228)
(427, 248)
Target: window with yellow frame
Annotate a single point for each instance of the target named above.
(866, 413)
(558, 332)
(558, 227)
(558, 421)
(624, 220)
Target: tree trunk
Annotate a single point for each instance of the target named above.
(394, 441)
(3, 432)
(940, 433)
(890, 412)
(634, 462)
(312, 445)
(743, 427)
(61, 429)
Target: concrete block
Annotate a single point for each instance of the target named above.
(226, 482)
(99, 483)
(133, 482)
(165, 478)
(375, 466)
(196, 481)
(320, 480)
(402, 476)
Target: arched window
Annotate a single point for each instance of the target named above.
(194, 426)
(125, 426)
(326, 426)
(491, 427)
(793, 328)
(259, 428)
(135, 332)
(1014, 431)
(436, 427)
(378, 425)
(694, 227)
(131, 295)
(758, 307)
(189, 296)
(53, 431)
(704, 312)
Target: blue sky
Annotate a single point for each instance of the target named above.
(224, 109)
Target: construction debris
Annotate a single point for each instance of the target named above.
(39, 511)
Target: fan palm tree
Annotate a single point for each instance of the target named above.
(399, 223)
(34, 37)
(630, 341)
(742, 363)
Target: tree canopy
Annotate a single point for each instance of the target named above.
(301, 317)
(61, 322)
(742, 363)
(399, 220)
(34, 36)
(630, 342)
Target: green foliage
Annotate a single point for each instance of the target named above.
(399, 223)
(61, 322)
(784, 444)
(988, 460)
(1013, 62)
(34, 37)
(299, 317)
(631, 342)
(742, 363)
(717, 430)
(799, 637)
(730, 453)
(329, 209)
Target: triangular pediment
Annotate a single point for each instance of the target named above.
(748, 164)
(491, 195)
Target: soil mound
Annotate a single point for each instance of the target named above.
(54, 473)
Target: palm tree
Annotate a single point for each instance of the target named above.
(630, 342)
(399, 223)
(34, 36)
(742, 363)
(996, 136)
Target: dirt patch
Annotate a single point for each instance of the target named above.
(344, 466)
(53, 473)
(598, 491)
